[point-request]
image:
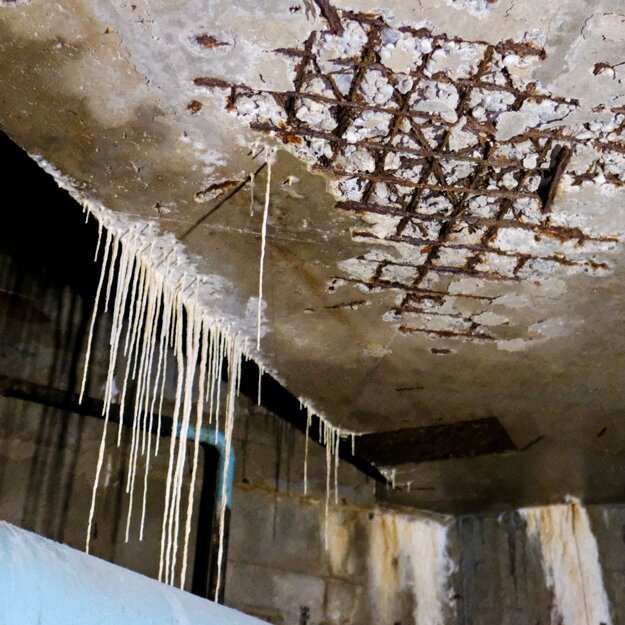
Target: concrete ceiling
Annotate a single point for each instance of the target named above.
(446, 217)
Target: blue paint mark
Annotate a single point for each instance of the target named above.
(217, 440)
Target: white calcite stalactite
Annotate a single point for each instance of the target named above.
(158, 306)
(269, 157)
(570, 560)
(306, 452)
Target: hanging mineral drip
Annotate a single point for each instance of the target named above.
(269, 158)
(308, 419)
(252, 180)
(157, 311)
(156, 308)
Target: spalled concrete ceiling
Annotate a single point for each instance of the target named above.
(446, 217)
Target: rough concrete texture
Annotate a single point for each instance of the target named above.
(371, 572)
(445, 225)
(502, 568)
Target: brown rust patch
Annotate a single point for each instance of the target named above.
(209, 42)
(195, 106)
(353, 304)
(207, 81)
(331, 15)
(292, 139)
(221, 186)
(215, 190)
(601, 67)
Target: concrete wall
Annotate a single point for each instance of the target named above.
(571, 571)
(360, 564)
(278, 563)
(378, 566)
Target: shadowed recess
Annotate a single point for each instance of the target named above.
(435, 442)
